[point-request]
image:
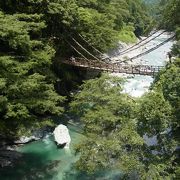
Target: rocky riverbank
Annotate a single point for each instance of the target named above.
(8, 146)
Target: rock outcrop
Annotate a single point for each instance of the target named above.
(61, 136)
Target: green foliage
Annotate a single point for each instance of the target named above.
(139, 17)
(155, 119)
(168, 83)
(159, 115)
(31, 32)
(119, 14)
(176, 46)
(109, 124)
(115, 126)
(171, 14)
(155, 114)
(127, 35)
(176, 49)
(99, 21)
(27, 93)
(97, 25)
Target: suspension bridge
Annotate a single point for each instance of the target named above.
(114, 68)
(97, 63)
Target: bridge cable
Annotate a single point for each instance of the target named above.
(84, 48)
(77, 51)
(74, 48)
(141, 44)
(152, 49)
(93, 47)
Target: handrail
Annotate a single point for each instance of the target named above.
(152, 49)
(117, 68)
(125, 52)
(141, 41)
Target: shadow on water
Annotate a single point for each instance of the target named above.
(34, 166)
(100, 175)
(50, 163)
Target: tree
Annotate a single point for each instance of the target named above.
(27, 93)
(98, 21)
(155, 120)
(170, 15)
(109, 125)
(167, 83)
(118, 130)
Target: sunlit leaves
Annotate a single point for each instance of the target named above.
(109, 124)
(155, 114)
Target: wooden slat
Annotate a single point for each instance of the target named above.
(117, 68)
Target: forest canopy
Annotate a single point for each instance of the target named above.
(119, 129)
(98, 21)
(33, 32)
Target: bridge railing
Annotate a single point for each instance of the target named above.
(116, 67)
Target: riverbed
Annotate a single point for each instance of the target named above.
(137, 85)
(43, 160)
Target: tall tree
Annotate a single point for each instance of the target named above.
(98, 21)
(119, 130)
(27, 93)
(171, 14)
(109, 125)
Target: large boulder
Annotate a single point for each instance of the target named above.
(61, 136)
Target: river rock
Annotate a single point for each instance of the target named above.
(36, 135)
(61, 136)
(25, 139)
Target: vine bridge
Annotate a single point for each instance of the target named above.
(114, 67)
(97, 63)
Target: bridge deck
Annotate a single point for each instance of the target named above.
(116, 68)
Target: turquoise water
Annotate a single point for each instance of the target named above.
(42, 160)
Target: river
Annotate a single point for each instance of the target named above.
(43, 160)
(136, 86)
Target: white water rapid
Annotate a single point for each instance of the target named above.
(137, 85)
